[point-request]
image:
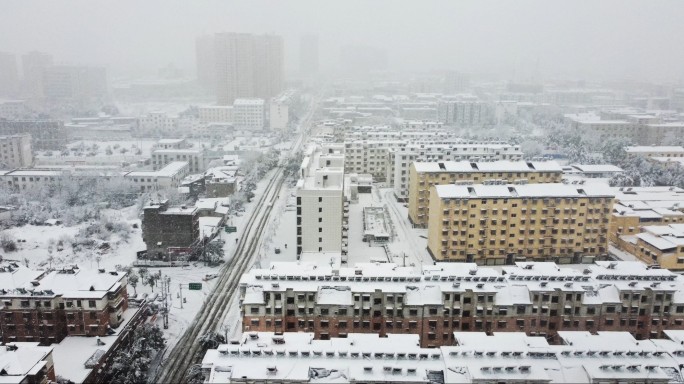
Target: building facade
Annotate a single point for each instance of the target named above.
(498, 224)
(27, 363)
(400, 159)
(194, 157)
(216, 114)
(33, 65)
(247, 66)
(9, 75)
(15, 151)
(46, 306)
(62, 82)
(423, 176)
(249, 114)
(320, 201)
(475, 357)
(540, 299)
(170, 233)
(46, 134)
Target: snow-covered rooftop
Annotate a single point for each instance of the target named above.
(491, 166)
(476, 357)
(18, 360)
(655, 149)
(19, 281)
(452, 191)
(663, 237)
(598, 283)
(597, 168)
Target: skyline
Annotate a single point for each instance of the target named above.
(606, 41)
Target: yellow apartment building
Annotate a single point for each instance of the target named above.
(423, 175)
(500, 224)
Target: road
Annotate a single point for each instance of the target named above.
(417, 254)
(188, 351)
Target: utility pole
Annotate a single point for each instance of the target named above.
(166, 291)
(180, 290)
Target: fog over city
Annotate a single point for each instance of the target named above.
(312, 192)
(606, 39)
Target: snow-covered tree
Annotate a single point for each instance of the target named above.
(213, 251)
(131, 362)
(133, 279)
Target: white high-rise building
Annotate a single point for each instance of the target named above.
(308, 55)
(247, 66)
(74, 83)
(9, 76)
(320, 201)
(249, 114)
(33, 64)
(206, 62)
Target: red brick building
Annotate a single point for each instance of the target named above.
(26, 363)
(45, 307)
(536, 298)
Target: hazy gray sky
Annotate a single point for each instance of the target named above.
(635, 39)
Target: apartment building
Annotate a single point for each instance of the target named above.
(247, 66)
(221, 181)
(158, 123)
(497, 224)
(27, 363)
(13, 109)
(46, 306)
(424, 175)
(169, 176)
(65, 82)
(660, 133)
(463, 113)
(194, 158)
(205, 62)
(358, 358)
(320, 201)
(16, 151)
(536, 298)
(369, 156)
(655, 151)
(170, 232)
(216, 114)
(249, 114)
(33, 64)
(421, 124)
(661, 245)
(597, 129)
(9, 75)
(641, 206)
(475, 357)
(279, 115)
(46, 134)
(139, 181)
(400, 159)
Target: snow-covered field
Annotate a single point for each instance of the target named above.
(36, 244)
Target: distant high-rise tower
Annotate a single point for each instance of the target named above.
(206, 62)
(247, 66)
(65, 82)
(33, 65)
(308, 55)
(9, 77)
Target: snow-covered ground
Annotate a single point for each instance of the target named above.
(37, 243)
